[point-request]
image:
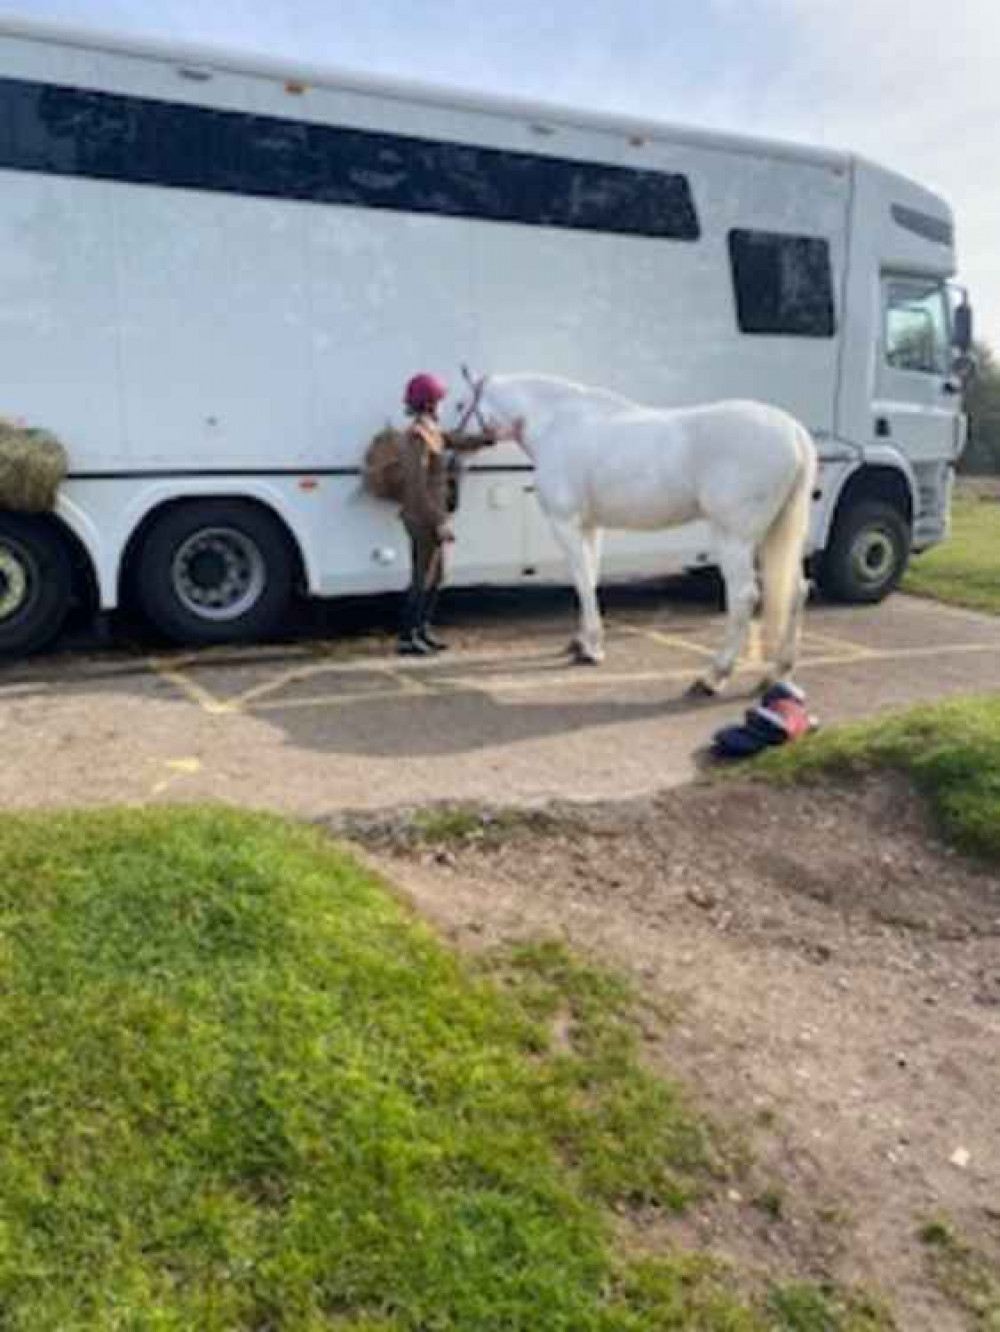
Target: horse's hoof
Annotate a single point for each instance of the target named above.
(702, 689)
(582, 656)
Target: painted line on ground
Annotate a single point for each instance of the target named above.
(658, 636)
(178, 769)
(195, 692)
(599, 679)
(845, 645)
(426, 678)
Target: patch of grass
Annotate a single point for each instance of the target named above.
(803, 1307)
(965, 569)
(688, 1291)
(632, 1136)
(771, 1202)
(951, 752)
(965, 1276)
(446, 824)
(937, 1232)
(243, 1089)
(452, 824)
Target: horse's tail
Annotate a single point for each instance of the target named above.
(782, 556)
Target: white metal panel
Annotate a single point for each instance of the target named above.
(58, 314)
(390, 294)
(215, 329)
(180, 80)
(56, 62)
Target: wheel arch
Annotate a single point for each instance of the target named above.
(884, 475)
(147, 512)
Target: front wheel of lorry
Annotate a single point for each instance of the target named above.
(36, 584)
(867, 554)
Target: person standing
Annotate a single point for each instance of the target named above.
(427, 455)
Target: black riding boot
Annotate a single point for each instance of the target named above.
(424, 632)
(411, 639)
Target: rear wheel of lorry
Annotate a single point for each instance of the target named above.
(216, 571)
(867, 554)
(36, 584)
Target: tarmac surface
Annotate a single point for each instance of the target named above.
(332, 719)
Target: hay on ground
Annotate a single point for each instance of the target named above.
(383, 469)
(32, 467)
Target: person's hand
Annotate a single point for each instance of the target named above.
(445, 534)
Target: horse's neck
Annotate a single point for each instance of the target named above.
(545, 404)
(537, 401)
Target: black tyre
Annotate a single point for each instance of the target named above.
(867, 554)
(215, 571)
(36, 584)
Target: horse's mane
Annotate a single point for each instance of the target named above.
(566, 388)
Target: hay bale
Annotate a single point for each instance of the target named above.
(32, 467)
(383, 468)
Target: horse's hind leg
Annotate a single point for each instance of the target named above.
(582, 549)
(736, 560)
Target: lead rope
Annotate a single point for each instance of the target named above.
(472, 410)
(456, 465)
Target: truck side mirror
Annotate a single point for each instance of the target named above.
(963, 327)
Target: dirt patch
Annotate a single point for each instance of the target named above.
(835, 975)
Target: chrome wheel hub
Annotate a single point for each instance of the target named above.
(218, 574)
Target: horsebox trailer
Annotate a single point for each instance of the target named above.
(217, 271)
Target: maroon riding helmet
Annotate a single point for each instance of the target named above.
(424, 392)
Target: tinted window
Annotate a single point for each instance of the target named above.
(783, 284)
(73, 131)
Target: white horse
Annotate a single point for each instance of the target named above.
(602, 461)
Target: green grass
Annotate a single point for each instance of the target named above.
(803, 1307)
(442, 825)
(967, 1277)
(965, 569)
(771, 1202)
(243, 1089)
(951, 752)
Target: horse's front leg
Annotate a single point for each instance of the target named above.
(588, 645)
(736, 560)
(582, 549)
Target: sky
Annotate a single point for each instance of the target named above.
(913, 84)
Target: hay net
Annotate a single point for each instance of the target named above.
(383, 467)
(33, 465)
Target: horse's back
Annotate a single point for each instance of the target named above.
(744, 429)
(735, 413)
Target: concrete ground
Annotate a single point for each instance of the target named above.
(332, 719)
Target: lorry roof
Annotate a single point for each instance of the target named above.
(544, 113)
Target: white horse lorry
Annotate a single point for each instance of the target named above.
(217, 272)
